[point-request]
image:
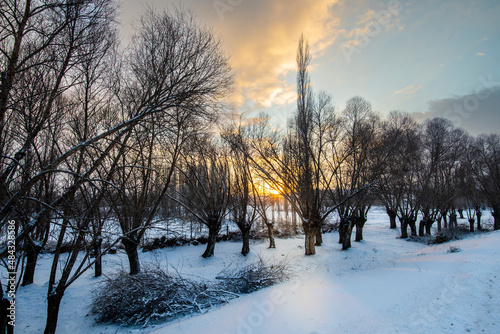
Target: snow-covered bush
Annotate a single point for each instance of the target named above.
(156, 295)
(153, 295)
(255, 276)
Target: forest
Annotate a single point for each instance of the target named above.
(100, 143)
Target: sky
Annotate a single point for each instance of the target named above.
(429, 58)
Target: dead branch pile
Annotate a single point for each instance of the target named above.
(154, 295)
(255, 276)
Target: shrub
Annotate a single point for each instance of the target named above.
(255, 276)
(151, 296)
(454, 249)
(441, 238)
(155, 295)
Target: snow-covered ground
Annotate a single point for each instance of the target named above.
(381, 285)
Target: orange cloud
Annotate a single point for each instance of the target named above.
(261, 38)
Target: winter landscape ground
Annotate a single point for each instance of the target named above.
(383, 284)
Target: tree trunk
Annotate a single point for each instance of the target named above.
(53, 303)
(319, 236)
(270, 232)
(461, 213)
(98, 257)
(445, 221)
(428, 226)
(421, 228)
(133, 256)
(413, 227)
(294, 222)
(212, 239)
(496, 219)
(471, 224)
(404, 228)
(439, 224)
(478, 216)
(310, 236)
(392, 217)
(360, 224)
(32, 252)
(245, 233)
(453, 223)
(345, 231)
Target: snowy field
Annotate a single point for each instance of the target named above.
(381, 285)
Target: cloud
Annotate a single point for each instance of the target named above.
(371, 24)
(408, 90)
(261, 38)
(478, 112)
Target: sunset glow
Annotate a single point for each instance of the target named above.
(422, 57)
(265, 189)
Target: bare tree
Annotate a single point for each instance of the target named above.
(468, 187)
(444, 146)
(277, 161)
(303, 163)
(257, 195)
(307, 163)
(359, 141)
(243, 190)
(46, 36)
(191, 82)
(307, 166)
(398, 178)
(393, 134)
(138, 188)
(172, 57)
(263, 203)
(485, 158)
(206, 190)
(40, 47)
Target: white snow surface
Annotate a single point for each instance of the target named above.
(381, 285)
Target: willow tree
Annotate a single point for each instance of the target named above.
(244, 196)
(359, 138)
(172, 58)
(485, 159)
(442, 147)
(393, 132)
(205, 190)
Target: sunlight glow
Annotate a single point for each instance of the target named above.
(265, 189)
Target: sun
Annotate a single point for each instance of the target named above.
(272, 191)
(268, 190)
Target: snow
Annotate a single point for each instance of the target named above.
(381, 285)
